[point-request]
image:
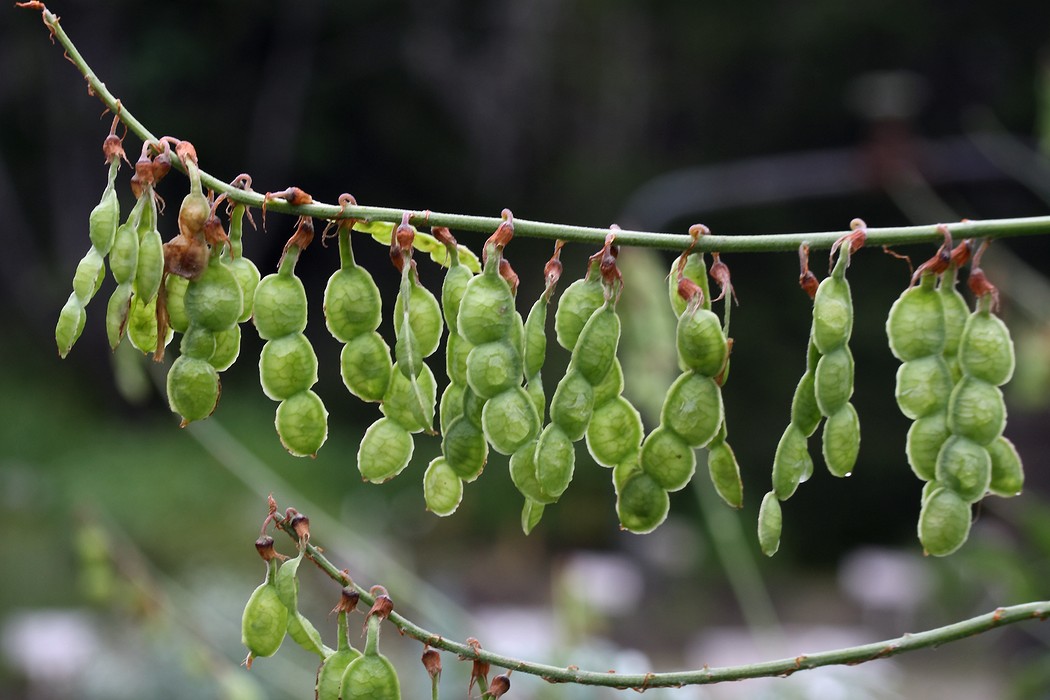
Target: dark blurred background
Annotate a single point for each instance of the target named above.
(129, 546)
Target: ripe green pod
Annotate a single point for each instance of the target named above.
(595, 347)
(925, 437)
(102, 223)
(175, 287)
(555, 461)
(509, 420)
(964, 467)
(944, 522)
(411, 402)
(572, 405)
(265, 618)
(150, 267)
(923, 386)
(493, 368)
(702, 346)
(287, 366)
(227, 348)
(486, 311)
(792, 463)
(986, 350)
(578, 302)
(615, 432)
(693, 408)
(365, 366)
(805, 413)
(976, 410)
(1007, 471)
(385, 451)
(725, 473)
(302, 424)
(117, 313)
(770, 523)
(214, 300)
(352, 304)
(124, 255)
(193, 388)
(833, 380)
(668, 458)
(424, 315)
(70, 325)
(916, 324)
(465, 449)
(89, 275)
(840, 442)
(280, 306)
(523, 473)
(832, 314)
(641, 504)
(198, 343)
(442, 488)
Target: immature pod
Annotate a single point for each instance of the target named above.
(841, 441)
(424, 315)
(595, 348)
(71, 321)
(925, 437)
(509, 420)
(330, 675)
(986, 351)
(385, 451)
(577, 304)
(227, 348)
(668, 458)
(792, 463)
(365, 366)
(724, 471)
(523, 472)
(89, 275)
(142, 325)
(104, 218)
(693, 268)
(411, 402)
(944, 522)
(555, 462)
(1007, 471)
(371, 676)
(465, 449)
(702, 346)
(265, 618)
(833, 310)
(770, 523)
(641, 503)
(965, 467)
(486, 310)
(243, 269)
(149, 269)
(442, 488)
(956, 312)
(615, 432)
(300, 629)
(693, 408)
(175, 295)
(916, 323)
(214, 300)
(572, 405)
(833, 380)
(976, 410)
(923, 386)
(302, 423)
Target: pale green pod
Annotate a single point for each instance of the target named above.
(805, 413)
(986, 350)
(595, 347)
(576, 305)
(280, 306)
(117, 313)
(509, 420)
(303, 633)
(668, 459)
(227, 348)
(70, 324)
(214, 300)
(925, 437)
(832, 314)
(493, 368)
(696, 270)
(572, 405)
(452, 290)
(956, 312)
(472, 406)
(486, 311)
(287, 366)
(833, 380)
(535, 346)
(1007, 471)
(365, 366)
(923, 386)
(725, 473)
(840, 441)
(424, 315)
(702, 346)
(89, 275)
(124, 255)
(531, 513)
(610, 386)
(615, 432)
(465, 449)
(352, 304)
(330, 676)
(265, 618)
(248, 277)
(408, 356)
(198, 343)
(370, 677)
(142, 325)
(916, 324)
(102, 223)
(411, 402)
(693, 408)
(964, 467)
(442, 488)
(534, 388)
(555, 461)
(385, 451)
(976, 410)
(944, 522)
(150, 267)
(457, 350)
(792, 462)
(193, 388)
(641, 504)
(770, 523)
(302, 424)
(176, 302)
(450, 405)
(523, 474)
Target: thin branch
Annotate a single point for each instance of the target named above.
(750, 243)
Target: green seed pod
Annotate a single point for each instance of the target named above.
(424, 315)
(142, 325)
(641, 504)
(693, 408)
(452, 290)
(124, 256)
(539, 398)
(352, 304)
(102, 223)
(923, 386)
(150, 267)
(493, 368)
(287, 366)
(976, 410)
(193, 388)
(944, 522)
(535, 347)
(280, 306)
(555, 462)
(832, 314)
(70, 325)
(117, 313)
(610, 386)
(227, 348)
(457, 349)
(725, 474)
(964, 467)
(91, 271)
(472, 407)
(408, 355)
(833, 380)
(1007, 471)
(486, 311)
(330, 676)
(925, 438)
(668, 459)
(615, 432)
(509, 420)
(370, 678)
(523, 473)
(595, 348)
(956, 312)
(198, 343)
(385, 451)
(303, 633)
(531, 513)
(986, 350)
(302, 424)
(578, 302)
(365, 366)
(442, 488)
(214, 300)
(176, 302)
(265, 618)
(792, 463)
(805, 413)
(247, 275)
(840, 442)
(450, 405)
(916, 324)
(696, 270)
(770, 523)
(411, 402)
(572, 405)
(702, 346)
(465, 449)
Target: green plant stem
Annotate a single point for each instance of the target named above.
(751, 243)
(849, 656)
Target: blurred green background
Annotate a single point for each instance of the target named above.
(129, 545)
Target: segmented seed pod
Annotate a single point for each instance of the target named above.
(300, 629)
(442, 487)
(330, 675)
(944, 522)
(577, 303)
(265, 618)
(142, 325)
(1007, 471)
(385, 451)
(956, 312)
(641, 503)
(104, 218)
(243, 269)
(371, 676)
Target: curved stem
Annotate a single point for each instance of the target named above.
(753, 243)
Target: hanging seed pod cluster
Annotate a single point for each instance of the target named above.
(200, 286)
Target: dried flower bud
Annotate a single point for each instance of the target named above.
(185, 257)
(499, 686)
(507, 272)
(264, 545)
(432, 662)
(383, 604)
(112, 148)
(348, 600)
(301, 524)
